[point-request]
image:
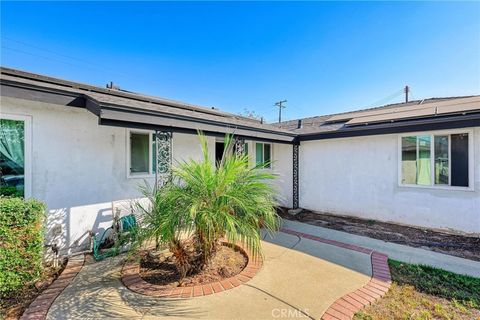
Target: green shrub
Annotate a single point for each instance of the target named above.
(8, 191)
(21, 243)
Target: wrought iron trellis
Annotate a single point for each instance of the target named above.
(295, 175)
(239, 146)
(163, 157)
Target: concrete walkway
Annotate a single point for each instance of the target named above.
(299, 278)
(394, 251)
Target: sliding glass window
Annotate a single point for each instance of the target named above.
(431, 160)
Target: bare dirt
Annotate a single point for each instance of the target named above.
(226, 263)
(463, 246)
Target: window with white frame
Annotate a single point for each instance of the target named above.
(141, 153)
(436, 159)
(263, 154)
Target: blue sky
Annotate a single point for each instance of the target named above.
(323, 57)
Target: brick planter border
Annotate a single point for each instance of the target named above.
(132, 280)
(38, 309)
(345, 307)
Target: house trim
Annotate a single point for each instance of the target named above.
(452, 122)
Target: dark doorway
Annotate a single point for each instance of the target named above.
(219, 148)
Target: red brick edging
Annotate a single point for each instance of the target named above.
(132, 280)
(38, 309)
(345, 307)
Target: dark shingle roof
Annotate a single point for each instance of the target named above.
(135, 100)
(320, 124)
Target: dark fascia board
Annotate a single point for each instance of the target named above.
(120, 93)
(55, 96)
(453, 122)
(134, 125)
(65, 98)
(177, 122)
(26, 92)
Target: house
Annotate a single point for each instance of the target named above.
(414, 163)
(79, 148)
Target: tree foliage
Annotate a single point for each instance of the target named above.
(204, 202)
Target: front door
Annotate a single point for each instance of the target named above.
(219, 149)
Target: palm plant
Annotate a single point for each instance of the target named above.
(205, 202)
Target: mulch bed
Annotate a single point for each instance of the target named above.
(467, 247)
(14, 306)
(161, 270)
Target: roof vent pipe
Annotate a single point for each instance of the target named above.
(299, 123)
(112, 86)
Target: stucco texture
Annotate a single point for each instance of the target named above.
(359, 177)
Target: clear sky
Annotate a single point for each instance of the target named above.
(323, 57)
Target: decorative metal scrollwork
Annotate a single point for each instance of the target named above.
(163, 157)
(239, 147)
(295, 176)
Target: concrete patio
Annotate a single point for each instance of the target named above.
(299, 278)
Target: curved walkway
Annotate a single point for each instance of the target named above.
(301, 277)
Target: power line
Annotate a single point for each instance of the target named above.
(386, 99)
(96, 65)
(43, 57)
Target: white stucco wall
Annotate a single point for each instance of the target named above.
(359, 177)
(79, 168)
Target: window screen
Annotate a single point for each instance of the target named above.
(441, 160)
(423, 161)
(409, 160)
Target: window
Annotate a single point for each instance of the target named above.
(263, 154)
(15, 155)
(435, 160)
(141, 153)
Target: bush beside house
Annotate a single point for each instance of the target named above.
(21, 243)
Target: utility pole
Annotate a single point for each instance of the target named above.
(407, 90)
(280, 106)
